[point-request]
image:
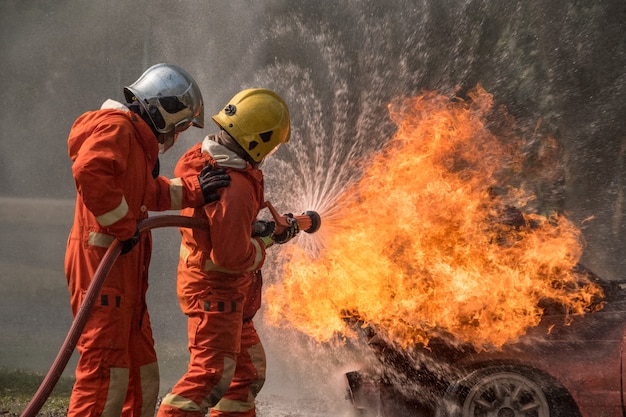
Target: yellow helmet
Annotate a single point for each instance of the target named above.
(258, 119)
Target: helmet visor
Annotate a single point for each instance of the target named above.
(182, 126)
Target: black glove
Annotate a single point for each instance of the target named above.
(265, 230)
(261, 228)
(290, 232)
(211, 180)
(129, 244)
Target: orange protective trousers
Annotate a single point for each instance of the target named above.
(227, 361)
(218, 284)
(117, 366)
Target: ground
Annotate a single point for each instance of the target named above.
(18, 387)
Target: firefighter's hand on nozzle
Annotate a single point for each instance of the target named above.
(212, 179)
(129, 244)
(290, 232)
(265, 230)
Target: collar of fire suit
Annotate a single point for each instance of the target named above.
(148, 145)
(222, 155)
(112, 104)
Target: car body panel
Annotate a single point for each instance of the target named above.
(581, 353)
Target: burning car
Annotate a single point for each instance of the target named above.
(470, 297)
(567, 366)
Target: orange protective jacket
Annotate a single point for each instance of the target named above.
(114, 153)
(227, 248)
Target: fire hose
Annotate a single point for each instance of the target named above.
(309, 221)
(67, 348)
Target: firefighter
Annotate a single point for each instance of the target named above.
(116, 171)
(219, 278)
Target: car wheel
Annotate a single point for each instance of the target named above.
(507, 391)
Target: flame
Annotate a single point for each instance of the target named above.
(422, 246)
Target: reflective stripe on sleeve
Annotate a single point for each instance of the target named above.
(259, 255)
(176, 193)
(184, 253)
(100, 239)
(208, 266)
(114, 215)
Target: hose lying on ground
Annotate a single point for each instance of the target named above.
(66, 350)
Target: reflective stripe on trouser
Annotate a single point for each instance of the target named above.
(105, 391)
(249, 378)
(117, 368)
(215, 317)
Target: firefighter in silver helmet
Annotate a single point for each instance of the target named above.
(115, 151)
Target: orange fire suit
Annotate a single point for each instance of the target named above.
(114, 153)
(219, 287)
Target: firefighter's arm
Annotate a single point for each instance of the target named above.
(201, 189)
(264, 230)
(95, 169)
(174, 194)
(231, 221)
(195, 185)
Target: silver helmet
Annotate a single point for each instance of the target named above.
(170, 96)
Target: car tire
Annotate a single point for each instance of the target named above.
(507, 391)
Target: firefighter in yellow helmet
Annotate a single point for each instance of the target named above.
(219, 279)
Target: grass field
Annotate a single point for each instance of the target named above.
(17, 388)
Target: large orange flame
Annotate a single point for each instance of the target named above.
(423, 246)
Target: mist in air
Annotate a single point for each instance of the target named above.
(557, 66)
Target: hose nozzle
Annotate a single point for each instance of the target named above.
(309, 221)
